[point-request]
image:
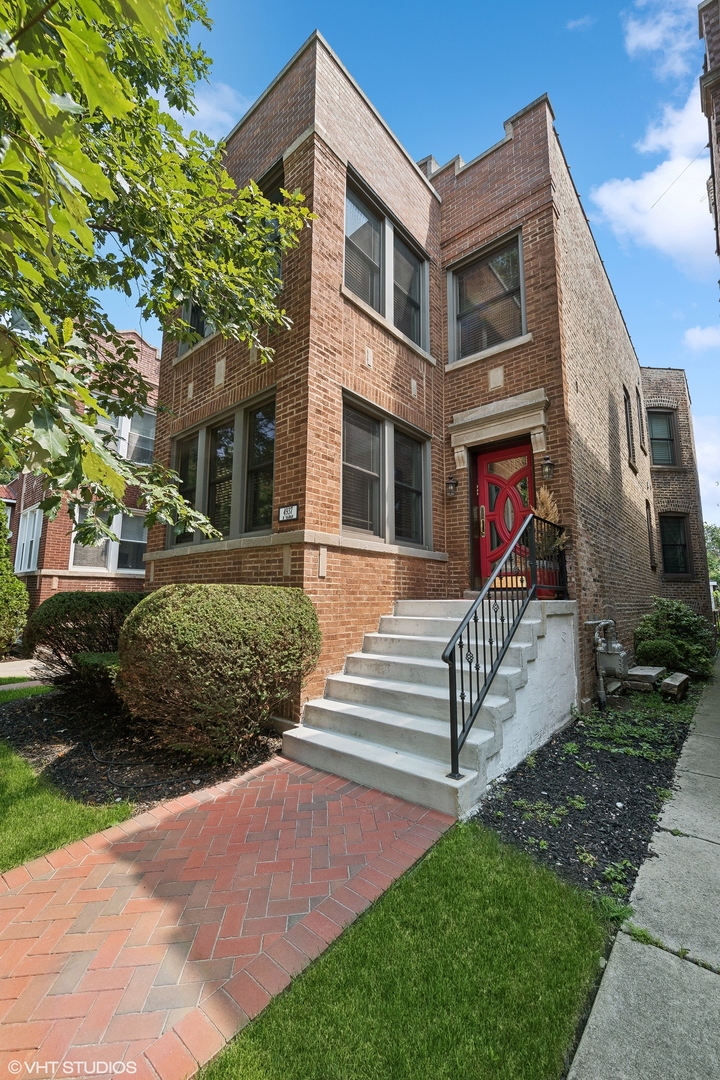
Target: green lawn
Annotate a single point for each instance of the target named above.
(476, 965)
(29, 691)
(14, 678)
(36, 818)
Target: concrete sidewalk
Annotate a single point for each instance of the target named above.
(657, 1016)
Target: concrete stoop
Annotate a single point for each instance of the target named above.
(384, 721)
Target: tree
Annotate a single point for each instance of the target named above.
(100, 187)
(712, 543)
(13, 594)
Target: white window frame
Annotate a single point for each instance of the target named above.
(387, 264)
(238, 505)
(484, 252)
(113, 550)
(30, 525)
(388, 424)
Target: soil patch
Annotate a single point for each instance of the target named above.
(96, 753)
(586, 804)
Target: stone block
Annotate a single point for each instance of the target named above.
(643, 678)
(675, 686)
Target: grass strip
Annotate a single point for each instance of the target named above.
(14, 679)
(28, 691)
(477, 963)
(35, 818)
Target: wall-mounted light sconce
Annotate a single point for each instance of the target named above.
(547, 468)
(451, 486)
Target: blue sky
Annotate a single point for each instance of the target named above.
(622, 78)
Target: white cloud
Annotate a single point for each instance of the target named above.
(667, 30)
(583, 23)
(707, 446)
(218, 109)
(666, 208)
(699, 338)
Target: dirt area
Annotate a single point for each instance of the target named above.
(586, 804)
(94, 752)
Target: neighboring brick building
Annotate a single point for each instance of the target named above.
(709, 25)
(679, 535)
(450, 322)
(44, 554)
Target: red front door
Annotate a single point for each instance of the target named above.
(505, 494)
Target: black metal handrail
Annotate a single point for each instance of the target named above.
(533, 566)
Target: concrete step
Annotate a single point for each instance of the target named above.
(417, 735)
(427, 672)
(417, 626)
(433, 609)
(409, 776)
(431, 648)
(413, 698)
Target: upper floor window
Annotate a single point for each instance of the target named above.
(112, 556)
(383, 268)
(487, 295)
(375, 450)
(226, 471)
(193, 314)
(30, 525)
(134, 436)
(629, 434)
(639, 409)
(661, 428)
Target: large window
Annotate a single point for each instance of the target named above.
(488, 301)
(383, 268)
(661, 429)
(226, 471)
(29, 529)
(113, 556)
(374, 449)
(675, 547)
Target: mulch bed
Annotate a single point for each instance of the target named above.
(586, 803)
(96, 753)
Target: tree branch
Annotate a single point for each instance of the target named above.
(35, 19)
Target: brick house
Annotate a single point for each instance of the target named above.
(43, 552)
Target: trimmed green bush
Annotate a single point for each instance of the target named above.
(97, 671)
(208, 664)
(69, 623)
(13, 594)
(672, 635)
(659, 652)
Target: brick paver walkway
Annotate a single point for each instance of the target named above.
(155, 941)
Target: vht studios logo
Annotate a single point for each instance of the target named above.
(71, 1068)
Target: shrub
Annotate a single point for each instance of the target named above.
(97, 671)
(207, 664)
(77, 622)
(690, 637)
(13, 594)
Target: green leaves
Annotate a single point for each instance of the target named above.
(100, 188)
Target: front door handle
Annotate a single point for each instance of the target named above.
(482, 520)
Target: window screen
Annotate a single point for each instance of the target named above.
(222, 442)
(187, 458)
(408, 283)
(363, 251)
(361, 472)
(260, 467)
(662, 438)
(488, 298)
(133, 541)
(673, 536)
(408, 489)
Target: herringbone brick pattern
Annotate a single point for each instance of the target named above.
(155, 941)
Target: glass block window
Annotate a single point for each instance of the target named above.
(408, 286)
(363, 251)
(132, 543)
(408, 489)
(361, 472)
(661, 429)
(260, 467)
(673, 537)
(222, 443)
(488, 301)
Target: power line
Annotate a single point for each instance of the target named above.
(705, 147)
